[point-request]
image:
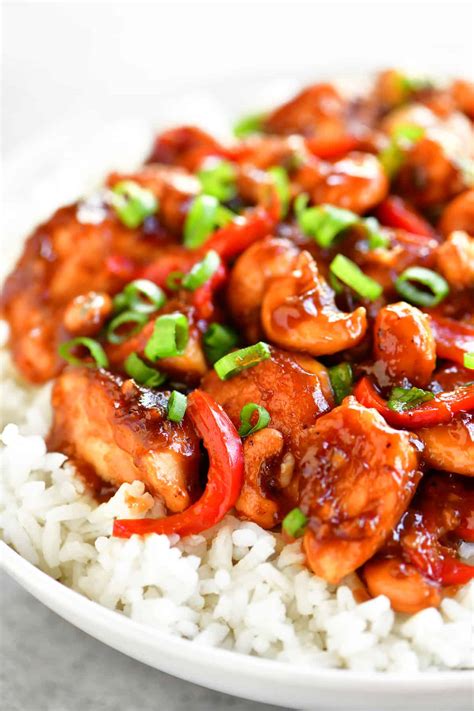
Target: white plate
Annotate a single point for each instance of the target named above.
(57, 168)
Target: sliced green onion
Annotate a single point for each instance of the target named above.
(94, 348)
(326, 222)
(240, 360)
(341, 381)
(246, 414)
(174, 280)
(219, 180)
(377, 238)
(200, 220)
(335, 283)
(205, 214)
(402, 139)
(137, 369)
(218, 341)
(282, 185)
(402, 399)
(202, 271)
(438, 286)
(415, 83)
(169, 338)
(350, 274)
(300, 204)
(294, 523)
(132, 203)
(253, 123)
(468, 360)
(177, 404)
(123, 318)
(131, 297)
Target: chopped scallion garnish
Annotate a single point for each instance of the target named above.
(282, 185)
(402, 139)
(205, 214)
(218, 179)
(177, 404)
(132, 203)
(132, 297)
(202, 271)
(218, 341)
(173, 280)
(126, 317)
(403, 399)
(468, 360)
(246, 415)
(437, 285)
(294, 523)
(170, 337)
(240, 360)
(253, 123)
(349, 273)
(137, 369)
(325, 222)
(341, 381)
(94, 348)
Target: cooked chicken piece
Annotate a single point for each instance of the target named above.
(173, 187)
(356, 182)
(269, 489)
(463, 94)
(185, 146)
(404, 343)
(294, 388)
(121, 430)
(429, 174)
(64, 258)
(357, 477)
(249, 278)
(450, 447)
(187, 368)
(455, 259)
(458, 215)
(299, 313)
(86, 314)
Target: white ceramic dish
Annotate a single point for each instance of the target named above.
(57, 168)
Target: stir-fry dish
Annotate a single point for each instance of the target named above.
(281, 326)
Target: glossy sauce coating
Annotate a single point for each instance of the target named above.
(122, 431)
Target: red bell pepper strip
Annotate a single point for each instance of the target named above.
(438, 411)
(455, 572)
(224, 480)
(234, 238)
(332, 147)
(203, 296)
(453, 338)
(394, 212)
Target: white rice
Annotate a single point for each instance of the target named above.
(236, 586)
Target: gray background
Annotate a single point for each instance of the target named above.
(63, 60)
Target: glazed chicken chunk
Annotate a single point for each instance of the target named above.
(121, 431)
(357, 476)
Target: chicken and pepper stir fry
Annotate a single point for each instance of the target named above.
(301, 300)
